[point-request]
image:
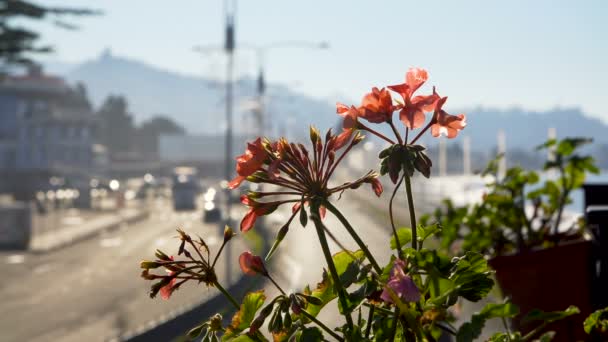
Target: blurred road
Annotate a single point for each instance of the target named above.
(91, 291)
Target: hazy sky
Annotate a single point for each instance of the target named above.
(536, 54)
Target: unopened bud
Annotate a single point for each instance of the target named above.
(149, 264)
(228, 234)
(314, 134)
(146, 275)
(161, 256)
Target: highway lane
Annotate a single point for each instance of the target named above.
(91, 291)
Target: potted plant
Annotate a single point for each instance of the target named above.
(541, 261)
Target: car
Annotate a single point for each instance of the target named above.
(211, 213)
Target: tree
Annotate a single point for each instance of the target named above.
(116, 124)
(17, 43)
(149, 132)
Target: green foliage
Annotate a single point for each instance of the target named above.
(597, 323)
(399, 158)
(500, 224)
(549, 317)
(469, 331)
(243, 318)
(348, 266)
(18, 42)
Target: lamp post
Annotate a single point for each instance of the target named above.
(229, 45)
(261, 51)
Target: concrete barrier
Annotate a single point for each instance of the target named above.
(15, 225)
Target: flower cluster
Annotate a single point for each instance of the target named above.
(378, 107)
(197, 266)
(302, 174)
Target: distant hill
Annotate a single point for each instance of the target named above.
(197, 104)
(194, 102)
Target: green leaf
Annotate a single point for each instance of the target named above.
(471, 276)
(347, 269)
(469, 331)
(597, 321)
(539, 315)
(312, 334)
(243, 318)
(425, 232)
(405, 236)
(324, 292)
(547, 337)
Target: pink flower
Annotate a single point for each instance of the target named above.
(248, 163)
(446, 124)
(412, 113)
(400, 284)
(167, 290)
(377, 106)
(256, 209)
(252, 264)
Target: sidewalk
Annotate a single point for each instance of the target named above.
(92, 224)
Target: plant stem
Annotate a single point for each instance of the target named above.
(410, 203)
(370, 316)
(276, 285)
(504, 322)
(323, 326)
(218, 254)
(316, 218)
(353, 233)
(227, 295)
(395, 323)
(390, 212)
(399, 140)
(378, 134)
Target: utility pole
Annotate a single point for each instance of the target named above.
(501, 142)
(229, 45)
(466, 155)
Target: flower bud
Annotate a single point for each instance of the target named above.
(228, 234)
(252, 264)
(145, 264)
(161, 256)
(314, 134)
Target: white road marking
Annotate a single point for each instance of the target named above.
(15, 259)
(110, 242)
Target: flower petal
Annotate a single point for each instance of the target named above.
(248, 220)
(236, 182)
(412, 117)
(415, 77)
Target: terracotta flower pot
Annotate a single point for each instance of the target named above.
(550, 279)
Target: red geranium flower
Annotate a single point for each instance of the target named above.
(377, 106)
(302, 174)
(252, 264)
(412, 113)
(249, 162)
(444, 123)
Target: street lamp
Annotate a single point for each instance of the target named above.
(261, 51)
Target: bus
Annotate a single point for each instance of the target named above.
(185, 187)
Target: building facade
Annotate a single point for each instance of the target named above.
(46, 130)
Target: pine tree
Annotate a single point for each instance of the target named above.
(18, 42)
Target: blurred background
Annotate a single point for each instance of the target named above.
(119, 122)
